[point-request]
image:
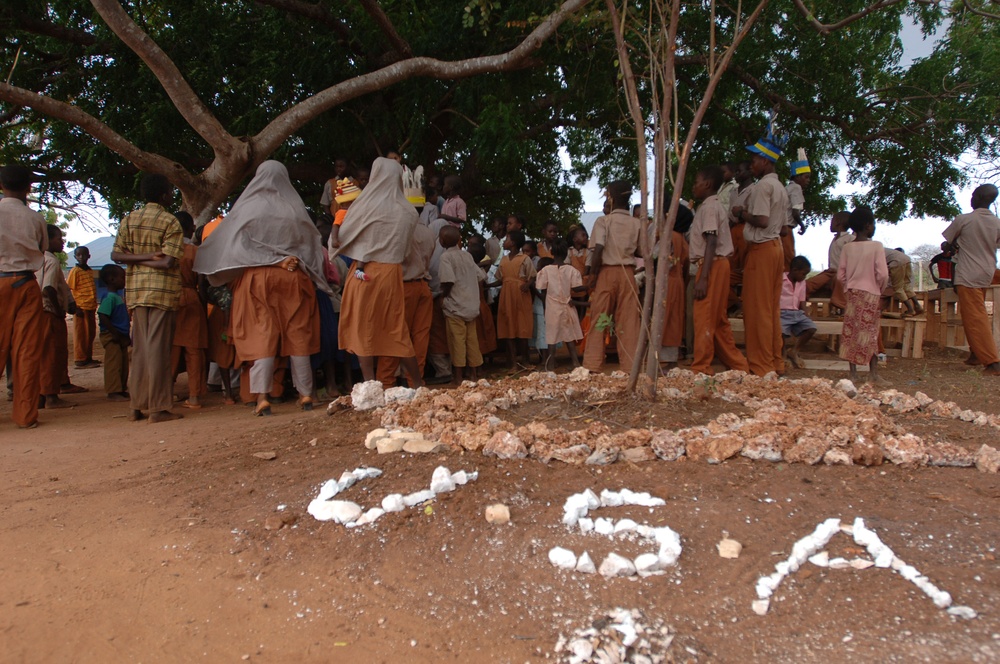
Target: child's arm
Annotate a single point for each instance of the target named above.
(50, 294)
(528, 285)
(701, 285)
(114, 331)
(446, 289)
(334, 241)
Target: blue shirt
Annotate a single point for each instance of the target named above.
(113, 306)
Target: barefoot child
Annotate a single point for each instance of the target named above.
(81, 284)
(113, 317)
(864, 274)
(901, 276)
(794, 321)
(556, 285)
(460, 279)
(515, 320)
(55, 299)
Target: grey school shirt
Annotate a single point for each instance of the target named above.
(978, 236)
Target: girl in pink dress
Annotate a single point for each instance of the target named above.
(864, 273)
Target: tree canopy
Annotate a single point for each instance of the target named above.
(197, 90)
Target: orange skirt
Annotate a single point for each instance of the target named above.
(372, 320)
(486, 331)
(516, 320)
(274, 313)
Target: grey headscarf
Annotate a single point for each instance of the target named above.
(379, 224)
(267, 224)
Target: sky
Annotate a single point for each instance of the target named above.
(814, 244)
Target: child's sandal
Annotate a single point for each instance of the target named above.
(262, 410)
(305, 403)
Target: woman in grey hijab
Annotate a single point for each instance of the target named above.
(376, 233)
(269, 251)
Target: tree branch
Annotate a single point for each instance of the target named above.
(388, 29)
(286, 124)
(316, 13)
(979, 12)
(827, 28)
(48, 29)
(68, 113)
(190, 106)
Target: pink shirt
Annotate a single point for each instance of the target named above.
(455, 207)
(792, 294)
(863, 267)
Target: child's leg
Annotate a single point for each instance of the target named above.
(550, 360)
(330, 376)
(412, 370)
(227, 385)
(510, 353)
(473, 357)
(261, 379)
(873, 376)
(803, 339)
(367, 363)
(854, 371)
(524, 351)
(572, 353)
(917, 307)
(456, 374)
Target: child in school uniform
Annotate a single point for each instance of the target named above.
(711, 250)
(537, 340)
(557, 283)
(191, 322)
(517, 275)
(864, 273)
(486, 329)
(55, 300)
(460, 279)
(550, 232)
(113, 319)
(83, 287)
(795, 323)
(901, 276)
(454, 209)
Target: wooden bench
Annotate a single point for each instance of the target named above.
(911, 329)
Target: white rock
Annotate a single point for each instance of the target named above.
(393, 503)
(562, 558)
(373, 437)
(593, 501)
(585, 564)
(329, 489)
(399, 395)
(460, 478)
(574, 509)
(604, 527)
(586, 525)
(611, 499)
(760, 606)
(418, 497)
(962, 612)
(582, 649)
(365, 473)
(579, 374)
(370, 516)
(670, 545)
(441, 481)
(821, 559)
(648, 564)
(847, 387)
(615, 565)
(839, 563)
(923, 399)
(367, 395)
(347, 480)
(339, 511)
(625, 526)
(497, 514)
(861, 563)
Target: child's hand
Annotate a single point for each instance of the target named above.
(361, 276)
(525, 288)
(700, 289)
(291, 263)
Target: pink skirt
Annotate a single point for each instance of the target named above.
(862, 316)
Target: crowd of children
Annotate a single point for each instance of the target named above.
(399, 290)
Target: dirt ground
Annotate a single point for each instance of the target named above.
(147, 543)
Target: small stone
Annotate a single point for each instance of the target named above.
(962, 612)
(603, 457)
(648, 564)
(807, 449)
(715, 449)
(576, 454)
(638, 454)
(370, 516)
(266, 456)
(418, 497)
(906, 450)
(393, 503)
(339, 511)
(615, 565)
(760, 606)
(422, 446)
(374, 436)
(460, 477)
(866, 453)
(367, 395)
(406, 435)
(667, 445)
(837, 457)
(839, 563)
(441, 481)
(923, 399)
(273, 522)
(497, 514)
(505, 445)
(579, 374)
(821, 559)
(389, 445)
(861, 563)
(585, 564)
(729, 548)
(847, 387)
(562, 558)
(312, 443)
(399, 395)
(582, 649)
(988, 459)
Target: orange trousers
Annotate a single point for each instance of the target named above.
(713, 336)
(736, 262)
(84, 333)
(439, 336)
(21, 329)
(827, 282)
(55, 357)
(761, 307)
(419, 311)
(975, 322)
(617, 295)
(194, 365)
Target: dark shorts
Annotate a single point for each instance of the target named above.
(794, 322)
